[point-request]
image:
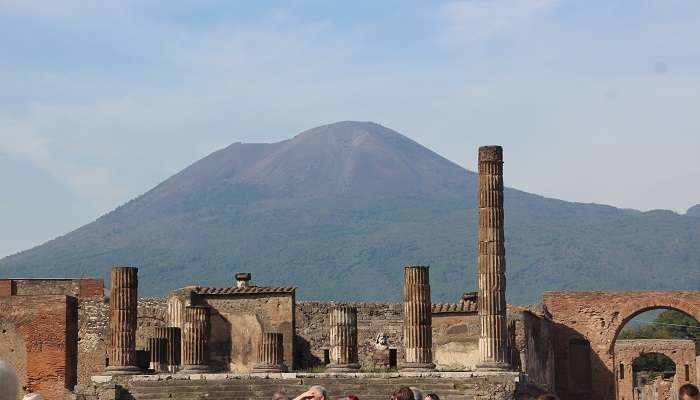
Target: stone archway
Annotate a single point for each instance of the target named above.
(598, 317)
(681, 352)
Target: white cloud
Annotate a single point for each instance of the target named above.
(470, 21)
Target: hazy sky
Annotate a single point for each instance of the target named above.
(594, 101)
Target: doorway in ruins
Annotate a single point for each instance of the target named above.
(655, 353)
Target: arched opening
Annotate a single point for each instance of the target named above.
(656, 351)
(650, 367)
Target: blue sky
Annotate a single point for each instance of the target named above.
(594, 101)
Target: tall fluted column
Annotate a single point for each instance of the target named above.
(270, 353)
(491, 261)
(157, 349)
(172, 337)
(195, 339)
(122, 323)
(417, 319)
(343, 335)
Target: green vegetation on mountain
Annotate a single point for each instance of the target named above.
(339, 210)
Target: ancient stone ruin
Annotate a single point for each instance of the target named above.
(68, 339)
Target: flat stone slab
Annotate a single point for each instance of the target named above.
(516, 376)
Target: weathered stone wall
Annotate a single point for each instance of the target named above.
(588, 323)
(237, 322)
(312, 323)
(93, 321)
(38, 340)
(456, 341)
(534, 346)
(79, 287)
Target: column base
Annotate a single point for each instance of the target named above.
(343, 367)
(493, 366)
(195, 369)
(268, 369)
(416, 367)
(123, 370)
(173, 368)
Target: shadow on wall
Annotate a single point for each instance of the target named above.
(303, 357)
(576, 364)
(221, 342)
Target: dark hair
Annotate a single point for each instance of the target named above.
(688, 390)
(403, 393)
(547, 397)
(352, 397)
(432, 396)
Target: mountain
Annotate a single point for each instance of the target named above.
(694, 211)
(339, 210)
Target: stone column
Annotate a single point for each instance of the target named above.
(417, 319)
(122, 323)
(157, 349)
(173, 350)
(195, 339)
(491, 261)
(270, 353)
(343, 335)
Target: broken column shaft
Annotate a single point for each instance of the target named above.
(417, 319)
(157, 349)
(122, 324)
(172, 336)
(343, 338)
(195, 339)
(270, 353)
(491, 261)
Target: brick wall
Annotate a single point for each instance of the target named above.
(79, 287)
(42, 325)
(589, 322)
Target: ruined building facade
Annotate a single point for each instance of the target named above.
(67, 338)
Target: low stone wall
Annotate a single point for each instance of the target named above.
(367, 386)
(93, 327)
(312, 325)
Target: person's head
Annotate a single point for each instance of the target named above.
(547, 397)
(403, 393)
(319, 392)
(432, 396)
(280, 395)
(351, 397)
(688, 392)
(8, 382)
(417, 394)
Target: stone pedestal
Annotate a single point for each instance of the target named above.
(491, 260)
(343, 338)
(173, 349)
(417, 320)
(122, 323)
(270, 354)
(195, 339)
(157, 349)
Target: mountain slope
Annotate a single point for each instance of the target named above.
(339, 209)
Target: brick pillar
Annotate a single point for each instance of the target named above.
(173, 350)
(157, 349)
(343, 335)
(270, 353)
(491, 260)
(122, 323)
(195, 339)
(417, 319)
